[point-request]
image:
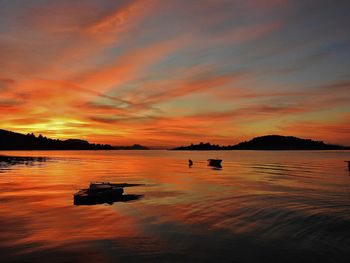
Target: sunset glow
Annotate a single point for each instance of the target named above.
(168, 73)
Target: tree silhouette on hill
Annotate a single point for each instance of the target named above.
(268, 142)
(17, 141)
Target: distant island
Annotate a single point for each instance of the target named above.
(17, 141)
(268, 142)
(133, 147)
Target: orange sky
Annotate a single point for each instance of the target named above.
(167, 73)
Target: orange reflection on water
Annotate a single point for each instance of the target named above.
(267, 196)
(49, 218)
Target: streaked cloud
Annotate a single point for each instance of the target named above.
(162, 73)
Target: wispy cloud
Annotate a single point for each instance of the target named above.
(116, 19)
(165, 72)
(333, 131)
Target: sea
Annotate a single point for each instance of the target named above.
(260, 206)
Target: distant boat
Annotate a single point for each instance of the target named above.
(214, 162)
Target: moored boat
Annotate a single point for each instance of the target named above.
(214, 162)
(104, 192)
(99, 190)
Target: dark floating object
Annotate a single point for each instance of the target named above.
(348, 164)
(104, 192)
(107, 200)
(215, 163)
(190, 163)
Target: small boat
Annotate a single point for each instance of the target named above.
(104, 192)
(214, 162)
(99, 191)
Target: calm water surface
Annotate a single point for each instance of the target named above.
(260, 207)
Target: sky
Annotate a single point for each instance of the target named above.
(169, 73)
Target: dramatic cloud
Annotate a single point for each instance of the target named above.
(163, 73)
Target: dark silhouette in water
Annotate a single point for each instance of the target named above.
(216, 163)
(268, 142)
(6, 161)
(216, 167)
(190, 163)
(348, 164)
(108, 200)
(104, 192)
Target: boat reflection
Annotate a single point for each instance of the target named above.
(107, 200)
(7, 161)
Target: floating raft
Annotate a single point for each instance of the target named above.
(101, 192)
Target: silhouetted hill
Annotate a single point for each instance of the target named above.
(17, 141)
(277, 142)
(199, 147)
(133, 147)
(268, 142)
